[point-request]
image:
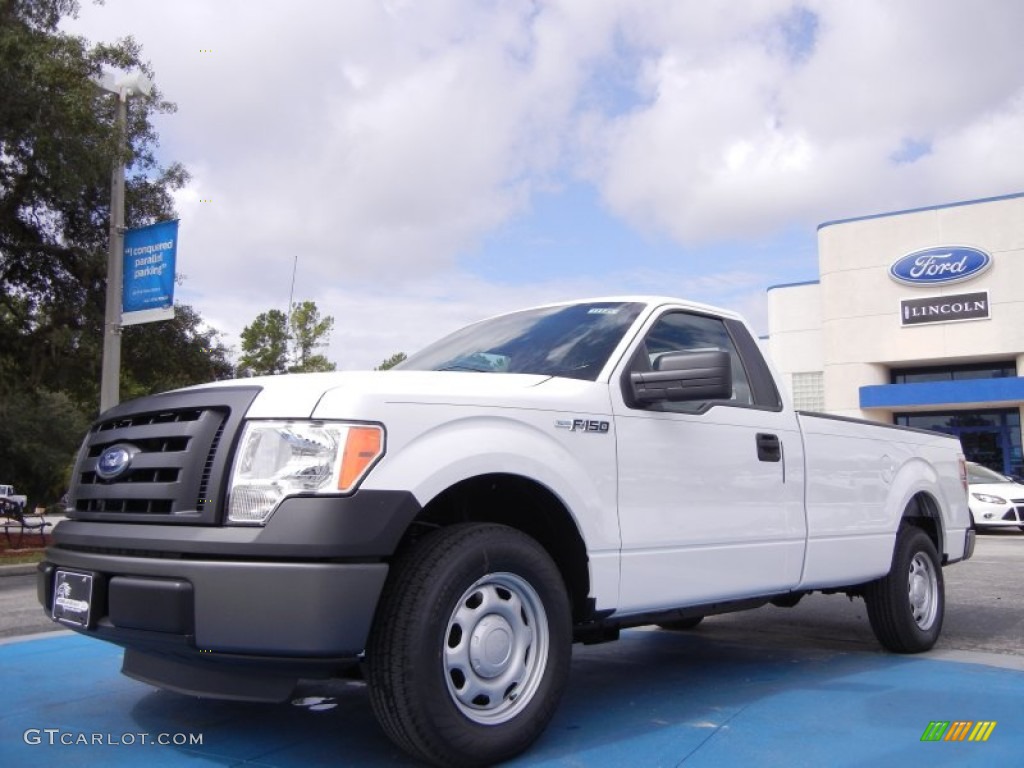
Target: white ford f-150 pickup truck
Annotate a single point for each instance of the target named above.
(455, 524)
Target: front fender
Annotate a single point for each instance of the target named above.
(578, 468)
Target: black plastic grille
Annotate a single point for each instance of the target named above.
(204, 479)
(146, 419)
(179, 457)
(149, 445)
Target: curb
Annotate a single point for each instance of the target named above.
(21, 569)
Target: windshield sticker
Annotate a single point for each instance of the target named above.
(603, 311)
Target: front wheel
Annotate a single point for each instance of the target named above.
(906, 606)
(471, 646)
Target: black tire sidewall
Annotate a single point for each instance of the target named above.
(909, 637)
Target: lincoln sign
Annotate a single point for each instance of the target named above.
(944, 309)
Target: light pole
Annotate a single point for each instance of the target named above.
(110, 378)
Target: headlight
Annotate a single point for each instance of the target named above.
(989, 499)
(277, 459)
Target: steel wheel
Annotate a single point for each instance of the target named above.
(922, 590)
(496, 648)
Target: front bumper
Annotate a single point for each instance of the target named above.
(279, 609)
(203, 609)
(997, 515)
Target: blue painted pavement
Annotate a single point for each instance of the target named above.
(651, 699)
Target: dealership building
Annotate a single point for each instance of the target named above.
(917, 319)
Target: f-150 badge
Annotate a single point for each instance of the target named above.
(582, 425)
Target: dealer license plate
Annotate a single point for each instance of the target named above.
(72, 598)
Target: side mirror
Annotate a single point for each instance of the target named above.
(685, 377)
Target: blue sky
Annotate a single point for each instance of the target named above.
(431, 163)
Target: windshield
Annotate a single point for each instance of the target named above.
(979, 474)
(574, 341)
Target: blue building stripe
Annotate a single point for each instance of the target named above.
(967, 392)
(919, 210)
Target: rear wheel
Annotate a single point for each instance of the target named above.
(906, 607)
(470, 650)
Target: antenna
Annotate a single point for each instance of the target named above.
(291, 295)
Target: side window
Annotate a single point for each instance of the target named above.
(684, 332)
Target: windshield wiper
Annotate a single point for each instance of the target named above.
(462, 367)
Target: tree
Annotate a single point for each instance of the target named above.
(265, 345)
(309, 332)
(58, 143)
(40, 433)
(391, 362)
(171, 354)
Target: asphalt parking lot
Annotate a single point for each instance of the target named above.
(806, 686)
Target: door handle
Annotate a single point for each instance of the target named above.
(768, 447)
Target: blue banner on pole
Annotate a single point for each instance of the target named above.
(148, 286)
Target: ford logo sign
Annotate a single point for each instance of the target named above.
(938, 266)
(115, 461)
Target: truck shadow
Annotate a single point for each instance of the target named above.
(651, 690)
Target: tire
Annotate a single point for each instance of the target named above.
(470, 649)
(682, 625)
(906, 607)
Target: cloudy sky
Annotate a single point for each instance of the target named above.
(433, 162)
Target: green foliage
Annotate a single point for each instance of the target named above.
(170, 354)
(313, 364)
(265, 345)
(265, 342)
(391, 362)
(309, 332)
(39, 435)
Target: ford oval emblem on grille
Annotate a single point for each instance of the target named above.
(938, 266)
(115, 461)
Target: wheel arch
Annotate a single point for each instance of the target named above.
(922, 511)
(521, 503)
(916, 498)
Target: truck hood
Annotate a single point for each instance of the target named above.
(296, 395)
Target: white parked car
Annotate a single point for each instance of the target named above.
(7, 493)
(996, 501)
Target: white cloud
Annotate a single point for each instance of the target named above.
(738, 138)
(383, 142)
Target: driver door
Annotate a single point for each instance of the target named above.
(710, 493)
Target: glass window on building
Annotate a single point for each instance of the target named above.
(990, 437)
(998, 370)
(808, 391)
